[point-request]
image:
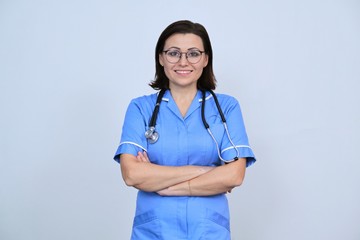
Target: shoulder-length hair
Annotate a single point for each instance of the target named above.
(207, 79)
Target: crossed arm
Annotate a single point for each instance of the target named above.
(189, 180)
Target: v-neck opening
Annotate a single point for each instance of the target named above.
(195, 104)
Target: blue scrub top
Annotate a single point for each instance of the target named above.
(183, 141)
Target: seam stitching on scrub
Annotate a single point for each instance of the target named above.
(133, 144)
(207, 98)
(237, 146)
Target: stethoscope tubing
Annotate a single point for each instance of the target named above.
(156, 109)
(206, 125)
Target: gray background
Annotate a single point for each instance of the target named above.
(68, 70)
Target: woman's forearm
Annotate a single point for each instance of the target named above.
(150, 177)
(221, 179)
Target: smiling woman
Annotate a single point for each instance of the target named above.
(181, 175)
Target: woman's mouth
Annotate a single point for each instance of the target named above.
(183, 72)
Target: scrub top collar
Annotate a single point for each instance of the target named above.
(196, 103)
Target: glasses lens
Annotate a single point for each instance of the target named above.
(193, 56)
(173, 56)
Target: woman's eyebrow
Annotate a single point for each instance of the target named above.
(173, 47)
(192, 48)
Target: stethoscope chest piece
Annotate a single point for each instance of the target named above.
(152, 135)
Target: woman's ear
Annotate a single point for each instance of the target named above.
(206, 60)
(161, 60)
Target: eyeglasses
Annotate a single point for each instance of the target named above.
(174, 56)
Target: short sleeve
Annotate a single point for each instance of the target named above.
(133, 130)
(237, 132)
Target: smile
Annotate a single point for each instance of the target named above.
(183, 71)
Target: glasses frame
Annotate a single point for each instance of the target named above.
(181, 54)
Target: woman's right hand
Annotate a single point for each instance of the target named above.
(143, 157)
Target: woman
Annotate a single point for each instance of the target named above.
(179, 167)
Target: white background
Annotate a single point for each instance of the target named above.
(68, 70)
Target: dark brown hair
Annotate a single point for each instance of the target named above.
(207, 79)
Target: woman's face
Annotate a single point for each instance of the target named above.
(183, 74)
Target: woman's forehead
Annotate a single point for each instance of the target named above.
(184, 41)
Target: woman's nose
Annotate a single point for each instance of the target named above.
(183, 59)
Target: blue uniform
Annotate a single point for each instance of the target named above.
(183, 141)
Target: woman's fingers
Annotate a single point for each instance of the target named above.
(146, 157)
(142, 157)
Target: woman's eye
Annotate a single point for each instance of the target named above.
(193, 54)
(173, 53)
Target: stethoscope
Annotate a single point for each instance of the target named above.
(152, 135)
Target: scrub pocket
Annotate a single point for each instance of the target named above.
(216, 226)
(146, 227)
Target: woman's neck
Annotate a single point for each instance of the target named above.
(183, 94)
(183, 98)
